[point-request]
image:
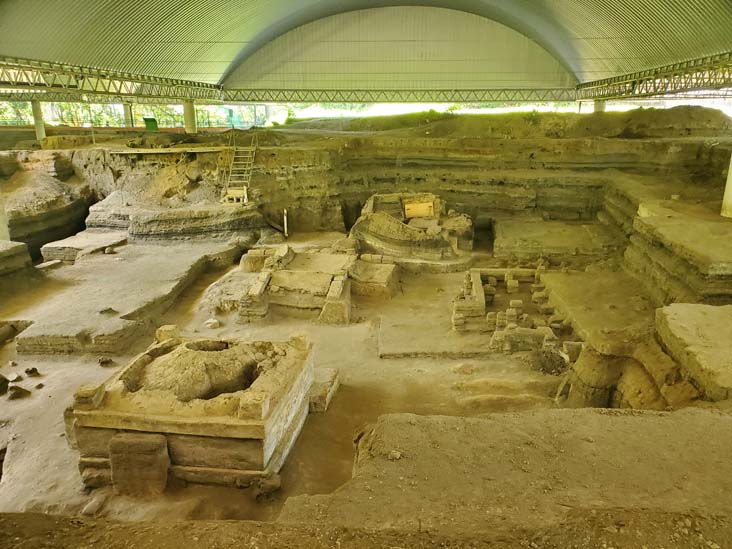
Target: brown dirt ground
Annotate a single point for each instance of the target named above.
(581, 530)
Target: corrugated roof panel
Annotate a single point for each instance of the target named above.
(401, 48)
(592, 38)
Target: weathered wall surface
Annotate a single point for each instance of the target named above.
(556, 166)
(43, 199)
(322, 187)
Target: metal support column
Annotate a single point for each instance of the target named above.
(38, 120)
(189, 117)
(727, 200)
(129, 117)
(4, 231)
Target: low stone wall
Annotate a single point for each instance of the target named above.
(13, 257)
(682, 258)
(699, 338)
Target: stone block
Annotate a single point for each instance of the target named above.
(546, 309)
(539, 297)
(541, 269)
(168, 331)
(512, 286)
(215, 452)
(93, 442)
(88, 396)
(500, 320)
(337, 307)
(14, 256)
(572, 349)
(252, 262)
(96, 477)
(324, 387)
(139, 464)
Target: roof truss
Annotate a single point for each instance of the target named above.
(703, 74)
(39, 76)
(26, 80)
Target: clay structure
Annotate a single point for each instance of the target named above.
(412, 225)
(206, 411)
(317, 281)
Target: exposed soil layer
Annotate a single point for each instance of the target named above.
(458, 442)
(562, 460)
(583, 530)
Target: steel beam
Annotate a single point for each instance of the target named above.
(703, 74)
(76, 97)
(28, 75)
(27, 80)
(397, 96)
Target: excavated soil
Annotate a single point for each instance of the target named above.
(433, 439)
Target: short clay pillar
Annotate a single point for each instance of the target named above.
(139, 463)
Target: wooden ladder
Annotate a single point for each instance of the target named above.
(239, 176)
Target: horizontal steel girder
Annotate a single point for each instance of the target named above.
(26, 80)
(703, 74)
(27, 75)
(398, 96)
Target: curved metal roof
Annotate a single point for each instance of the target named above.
(206, 40)
(401, 48)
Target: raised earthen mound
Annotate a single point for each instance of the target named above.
(675, 122)
(202, 369)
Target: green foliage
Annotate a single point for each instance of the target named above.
(16, 114)
(533, 117)
(112, 115)
(353, 107)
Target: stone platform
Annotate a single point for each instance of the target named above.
(622, 364)
(682, 252)
(105, 303)
(557, 241)
(207, 411)
(699, 338)
(85, 242)
(611, 311)
(312, 283)
(416, 322)
(13, 257)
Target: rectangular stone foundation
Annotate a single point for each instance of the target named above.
(233, 438)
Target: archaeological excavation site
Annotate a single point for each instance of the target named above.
(326, 274)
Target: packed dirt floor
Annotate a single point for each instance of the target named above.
(548, 378)
(581, 530)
